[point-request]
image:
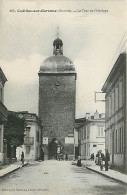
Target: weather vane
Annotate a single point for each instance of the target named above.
(58, 33)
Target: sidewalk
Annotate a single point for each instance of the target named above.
(7, 169)
(112, 174)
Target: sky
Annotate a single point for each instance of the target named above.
(91, 40)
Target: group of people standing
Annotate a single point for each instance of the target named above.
(100, 159)
(92, 156)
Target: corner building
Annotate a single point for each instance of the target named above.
(3, 115)
(91, 134)
(115, 88)
(57, 88)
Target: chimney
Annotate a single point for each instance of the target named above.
(103, 115)
(87, 115)
(96, 115)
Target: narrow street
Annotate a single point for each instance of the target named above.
(58, 178)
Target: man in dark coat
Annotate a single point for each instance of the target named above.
(22, 157)
(66, 156)
(79, 164)
(107, 159)
(92, 156)
(42, 154)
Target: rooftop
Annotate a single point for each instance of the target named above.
(57, 64)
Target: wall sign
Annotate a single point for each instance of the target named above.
(69, 140)
(45, 140)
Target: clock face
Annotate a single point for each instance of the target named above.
(57, 81)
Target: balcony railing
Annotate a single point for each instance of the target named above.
(3, 113)
(28, 140)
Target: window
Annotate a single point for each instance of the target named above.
(120, 141)
(57, 46)
(116, 98)
(116, 141)
(27, 149)
(113, 103)
(88, 131)
(85, 149)
(100, 131)
(107, 107)
(110, 106)
(88, 149)
(110, 142)
(113, 143)
(122, 144)
(81, 133)
(27, 131)
(37, 136)
(120, 94)
(0, 93)
(85, 133)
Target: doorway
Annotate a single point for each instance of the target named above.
(113, 143)
(52, 149)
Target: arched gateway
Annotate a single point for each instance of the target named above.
(54, 149)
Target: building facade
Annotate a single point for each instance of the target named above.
(115, 88)
(76, 146)
(32, 146)
(3, 113)
(91, 134)
(57, 86)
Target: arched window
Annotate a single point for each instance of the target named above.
(57, 46)
(1, 93)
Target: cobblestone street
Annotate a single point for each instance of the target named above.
(58, 178)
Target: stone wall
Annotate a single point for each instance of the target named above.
(57, 105)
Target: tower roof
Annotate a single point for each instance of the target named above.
(2, 76)
(57, 64)
(57, 41)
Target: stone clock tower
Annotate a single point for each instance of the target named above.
(57, 89)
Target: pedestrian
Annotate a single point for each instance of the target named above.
(93, 156)
(22, 157)
(97, 156)
(79, 164)
(66, 157)
(100, 159)
(107, 159)
(42, 154)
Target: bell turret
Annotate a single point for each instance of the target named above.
(58, 45)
